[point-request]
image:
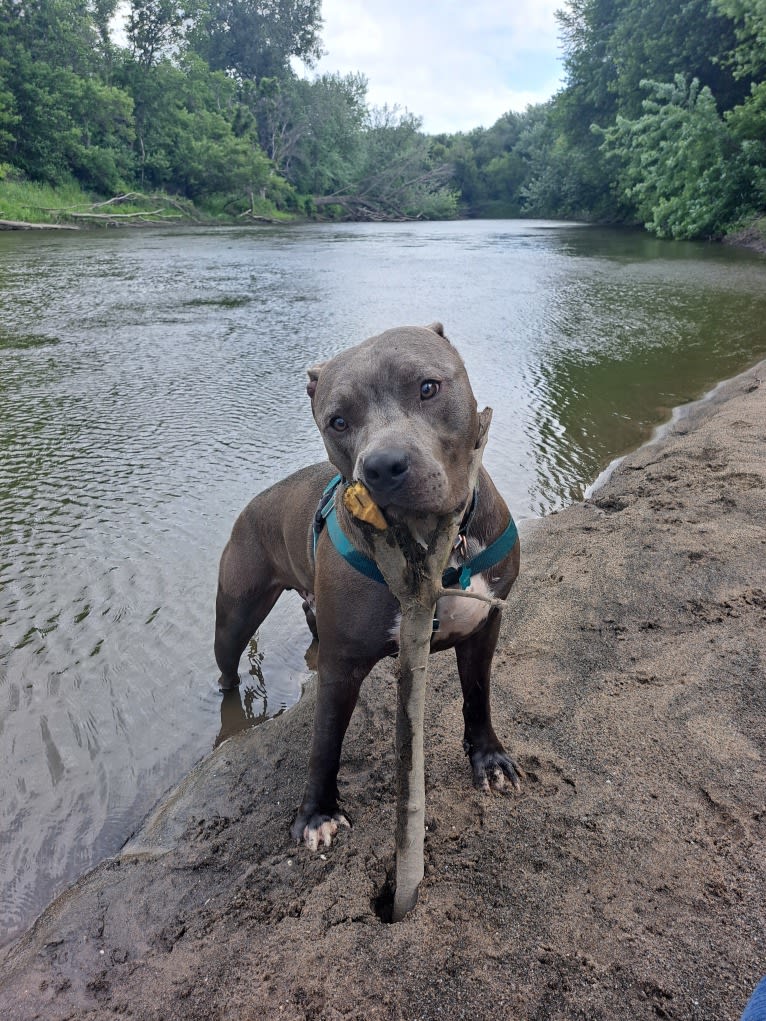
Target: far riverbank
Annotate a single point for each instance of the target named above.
(32, 206)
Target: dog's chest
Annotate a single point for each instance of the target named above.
(458, 616)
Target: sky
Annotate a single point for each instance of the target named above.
(458, 64)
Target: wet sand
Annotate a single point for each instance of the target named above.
(626, 881)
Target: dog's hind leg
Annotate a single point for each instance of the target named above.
(247, 592)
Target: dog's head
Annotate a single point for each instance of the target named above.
(397, 412)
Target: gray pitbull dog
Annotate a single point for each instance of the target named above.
(396, 412)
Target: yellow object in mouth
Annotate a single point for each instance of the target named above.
(359, 503)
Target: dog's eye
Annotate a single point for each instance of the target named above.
(429, 388)
(339, 424)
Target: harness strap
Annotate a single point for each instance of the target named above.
(493, 554)
(349, 552)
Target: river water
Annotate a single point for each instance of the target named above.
(151, 382)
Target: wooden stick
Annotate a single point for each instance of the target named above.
(413, 574)
(490, 600)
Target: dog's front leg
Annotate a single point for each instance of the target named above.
(490, 763)
(319, 816)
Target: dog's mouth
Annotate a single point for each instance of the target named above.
(398, 510)
(404, 483)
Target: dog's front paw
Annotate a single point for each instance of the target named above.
(317, 829)
(228, 682)
(493, 769)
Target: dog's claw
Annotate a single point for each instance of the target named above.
(320, 831)
(495, 771)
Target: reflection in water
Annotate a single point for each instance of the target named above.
(238, 710)
(248, 705)
(53, 758)
(239, 705)
(622, 353)
(152, 383)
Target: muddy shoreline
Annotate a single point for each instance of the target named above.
(626, 881)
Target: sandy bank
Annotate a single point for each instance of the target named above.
(627, 881)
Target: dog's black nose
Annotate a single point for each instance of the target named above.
(385, 470)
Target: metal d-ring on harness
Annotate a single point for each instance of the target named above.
(493, 554)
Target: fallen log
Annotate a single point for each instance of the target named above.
(123, 216)
(24, 225)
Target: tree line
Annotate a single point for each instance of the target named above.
(661, 120)
(198, 99)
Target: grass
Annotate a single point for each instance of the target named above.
(33, 202)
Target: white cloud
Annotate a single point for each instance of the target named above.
(456, 65)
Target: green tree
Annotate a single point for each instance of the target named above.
(313, 130)
(192, 139)
(9, 118)
(156, 27)
(610, 47)
(678, 162)
(460, 153)
(255, 39)
(748, 61)
(57, 118)
(398, 177)
(748, 56)
(103, 11)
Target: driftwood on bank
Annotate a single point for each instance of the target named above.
(100, 213)
(412, 555)
(24, 225)
(139, 217)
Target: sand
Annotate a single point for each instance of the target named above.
(626, 881)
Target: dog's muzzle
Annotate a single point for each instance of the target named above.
(385, 471)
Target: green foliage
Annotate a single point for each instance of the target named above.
(747, 123)
(748, 57)
(399, 175)
(190, 140)
(313, 130)
(254, 39)
(9, 118)
(202, 102)
(31, 201)
(662, 119)
(678, 162)
(155, 27)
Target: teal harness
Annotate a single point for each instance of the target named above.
(326, 516)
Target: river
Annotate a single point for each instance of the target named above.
(152, 381)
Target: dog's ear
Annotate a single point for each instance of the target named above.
(313, 373)
(438, 329)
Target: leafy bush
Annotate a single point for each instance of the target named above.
(678, 164)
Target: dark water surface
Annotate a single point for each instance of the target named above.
(152, 382)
